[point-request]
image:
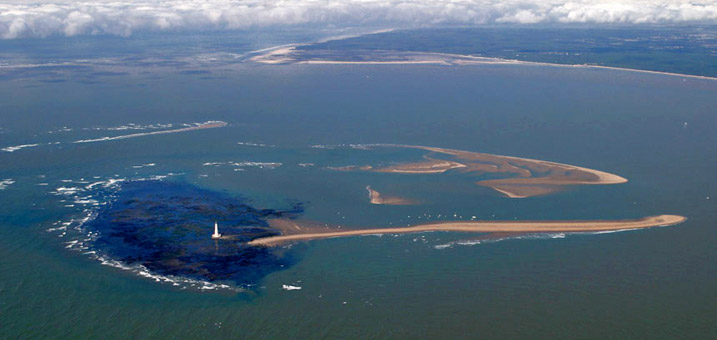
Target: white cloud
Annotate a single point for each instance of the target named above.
(122, 17)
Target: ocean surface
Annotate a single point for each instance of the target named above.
(62, 276)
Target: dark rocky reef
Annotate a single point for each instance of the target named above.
(167, 227)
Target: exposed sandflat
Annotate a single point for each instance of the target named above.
(488, 227)
(376, 197)
(527, 184)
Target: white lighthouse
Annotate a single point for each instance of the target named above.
(216, 234)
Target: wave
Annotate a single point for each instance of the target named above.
(133, 126)
(195, 126)
(609, 231)
(240, 165)
(18, 147)
(146, 165)
(255, 144)
(5, 183)
(290, 287)
(176, 281)
(348, 146)
(88, 198)
(541, 236)
(185, 127)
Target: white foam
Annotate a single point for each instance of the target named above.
(143, 165)
(18, 147)
(132, 126)
(190, 127)
(254, 144)
(62, 129)
(244, 164)
(290, 287)
(350, 146)
(261, 165)
(320, 146)
(610, 231)
(86, 201)
(5, 183)
(176, 281)
(66, 191)
(98, 193)
(541, 236)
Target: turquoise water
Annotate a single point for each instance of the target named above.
(657, 283)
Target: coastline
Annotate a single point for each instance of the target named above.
(286, 54)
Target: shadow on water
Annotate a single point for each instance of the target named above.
(167, 228)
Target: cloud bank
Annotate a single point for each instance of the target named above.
(123, 17)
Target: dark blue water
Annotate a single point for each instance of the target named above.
(165, 227)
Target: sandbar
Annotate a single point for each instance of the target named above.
(529, 177)
(376, 197)
(205, 125)
(487, 227)
(430, 166)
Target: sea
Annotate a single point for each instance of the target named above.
(64, 181)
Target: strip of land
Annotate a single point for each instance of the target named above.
(485, 227)
(289, 55)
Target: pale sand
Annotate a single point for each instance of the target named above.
(430, 166)
(488, 227)
(602, 177)
(526, 185)
(510, 194)
(375, 197)
(277, 55)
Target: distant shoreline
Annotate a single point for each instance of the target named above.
(484, 227)
(286, 54)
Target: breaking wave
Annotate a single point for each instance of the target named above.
(160, 230)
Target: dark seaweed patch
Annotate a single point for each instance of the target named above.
(167, 226)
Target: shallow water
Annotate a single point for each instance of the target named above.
(657, 283)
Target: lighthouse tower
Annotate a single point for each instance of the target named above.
(216, 234)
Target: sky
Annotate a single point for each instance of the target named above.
(44, 18)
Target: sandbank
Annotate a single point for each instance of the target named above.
(488, 227)
(526, 183)
(376, 197)
(529, 177)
